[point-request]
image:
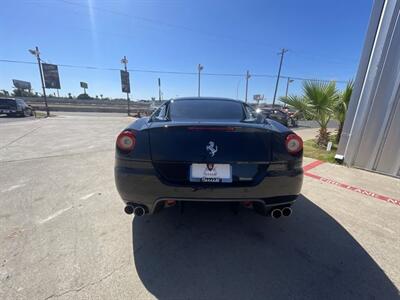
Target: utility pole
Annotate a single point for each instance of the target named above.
(282, 53)
(199, 68)
(237, 88)
(159, 89)
(287, 85)
(247, 85)
(124, 61)
(37, 54)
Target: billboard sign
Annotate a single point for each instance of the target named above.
(258, 97)
(125, 84)
(51, 78)
(20, 84)
(84, 85)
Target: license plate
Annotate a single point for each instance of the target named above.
(211, 173)
(5, 111)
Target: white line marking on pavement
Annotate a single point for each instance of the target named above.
(13, 187)
(56, 214)
(87, 196)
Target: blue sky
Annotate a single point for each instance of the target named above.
(324, 39)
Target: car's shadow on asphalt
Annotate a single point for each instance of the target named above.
(210, 253)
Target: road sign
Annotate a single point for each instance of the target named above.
(84, 85)
(23, 85)
(125, 84)
(51, 78)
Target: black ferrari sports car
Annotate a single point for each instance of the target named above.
(208, 149)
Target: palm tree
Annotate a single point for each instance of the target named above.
(341, 107)
(318, 102)
(299, 104)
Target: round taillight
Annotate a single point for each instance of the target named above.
(294, 143)
(126, 141)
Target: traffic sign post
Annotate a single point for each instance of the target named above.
(37, 54)
(125, 83)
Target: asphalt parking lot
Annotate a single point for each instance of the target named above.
(63, 232)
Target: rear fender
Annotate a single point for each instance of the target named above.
(142, 146)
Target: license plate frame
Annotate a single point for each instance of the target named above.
(210, 173)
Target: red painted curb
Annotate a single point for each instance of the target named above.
(354, 189)
(312, 165)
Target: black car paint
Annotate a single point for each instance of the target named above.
(158, 167)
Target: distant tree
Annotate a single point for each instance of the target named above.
(84, 97)
(97, 97)
(101, 96)
(341, 106)
(16, 93)
(69, 96)
(4, 93)
(23, 93)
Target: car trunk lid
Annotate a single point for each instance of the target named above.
(209, 142)
(176, 146)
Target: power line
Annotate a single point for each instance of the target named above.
(173, 72)
(303, 53)
(167, 24)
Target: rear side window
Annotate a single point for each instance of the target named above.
(204, 109)
(9, 102)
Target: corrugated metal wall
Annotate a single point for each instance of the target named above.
(371, 134)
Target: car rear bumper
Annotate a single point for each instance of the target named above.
(8, 111)
(138, 183)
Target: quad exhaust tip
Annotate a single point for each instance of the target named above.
(286, 211)
(277, 213)
(136, 210)
(139, 211)
(128, 209)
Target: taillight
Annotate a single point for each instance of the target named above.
(294, 143)
(126, 141)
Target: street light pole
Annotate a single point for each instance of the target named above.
(282, 53)
(199, 68)
(37, 54)
(247, 85)
(287, 85)
(124, 61)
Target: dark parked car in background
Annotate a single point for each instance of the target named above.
(208, 149)
(15, 107)
(277, 115)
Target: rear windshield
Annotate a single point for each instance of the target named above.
(206, 110)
